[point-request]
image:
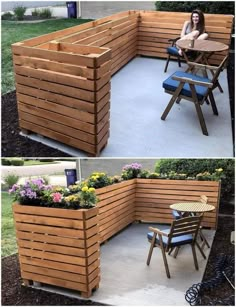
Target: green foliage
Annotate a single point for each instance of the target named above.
(17, 162)
(45, 13)
(130, 171)
(13, 161)
(6, 162)
(201, 167)
(98, 180)
(8, 238)
(35, 12)
(7, 16)
(210, 7)
(19, 12)
(10, 180)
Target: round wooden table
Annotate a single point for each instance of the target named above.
(192, 207)
(202, 45)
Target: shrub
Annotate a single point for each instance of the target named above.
(46, 160)
(199, 169)
(17, 162)
(11, 179)
(6, 162)
(19, 12)
(210, 7)
(35, 12)
(7, 16)
(45, 13)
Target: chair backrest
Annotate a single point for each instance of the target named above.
(220, 68)
(184, 226)
(203, 199)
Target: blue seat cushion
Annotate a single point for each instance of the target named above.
(176, 214)
(176, 241)
(171, 84)
(173, 50)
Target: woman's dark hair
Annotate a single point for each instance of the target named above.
(201, 23)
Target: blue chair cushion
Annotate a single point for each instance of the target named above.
(173, 51)
(176, 241)
(171, 84)
(176, 215)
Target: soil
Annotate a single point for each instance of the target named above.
(15, 145)
(15, 294)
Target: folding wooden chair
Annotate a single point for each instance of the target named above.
(183, 231)
(172, 51)
(195, 88)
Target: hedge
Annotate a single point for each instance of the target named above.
(192, 167)
(210, 7)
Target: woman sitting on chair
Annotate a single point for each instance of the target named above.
(195, 28)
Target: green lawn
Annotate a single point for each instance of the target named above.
(8, 232)
(13, 32)
(36, 162)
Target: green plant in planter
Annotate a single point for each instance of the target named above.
(131, 171)
(98, 180)
(88, 197)
(144, 174)
(154, 176)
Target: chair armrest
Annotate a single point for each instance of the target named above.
(158, 231)
(202, 66)
(174, 39)
(194, 82)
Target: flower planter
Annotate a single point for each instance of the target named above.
(58, 247)
(116, 208)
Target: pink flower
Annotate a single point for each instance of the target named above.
(57, 197)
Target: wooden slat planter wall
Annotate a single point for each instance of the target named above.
(63, 78)
(116, 208)
(153, 198)
(58, 247)
(155, 28)
(63, 92)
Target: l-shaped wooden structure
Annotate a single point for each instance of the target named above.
(61, 247)
(63, 78)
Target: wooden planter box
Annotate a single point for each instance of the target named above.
(116, 208)
(153, 198)
(58, 247)
(63, 78)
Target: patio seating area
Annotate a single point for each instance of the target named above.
(127, 280)
(136, 129)
(63, 84)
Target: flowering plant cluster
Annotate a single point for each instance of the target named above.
(31, 191)
(35, 192)
(131, 171)
(98, 180)
(217, 175)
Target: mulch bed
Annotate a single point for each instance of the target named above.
(15, 145)
(15, 294)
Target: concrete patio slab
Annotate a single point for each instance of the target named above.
(136, 130)
(126, 280)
